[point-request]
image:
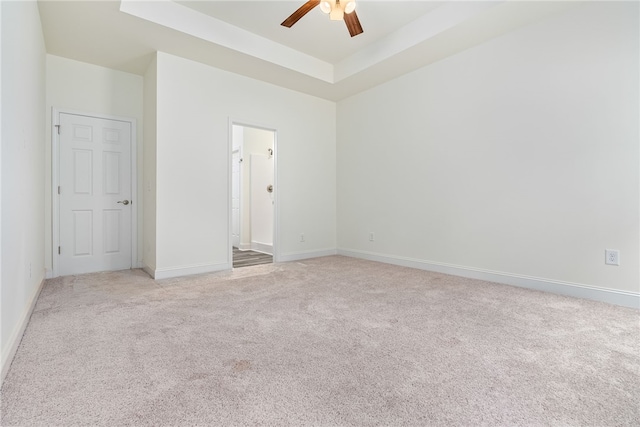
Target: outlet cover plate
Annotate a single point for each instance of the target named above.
(612, 257)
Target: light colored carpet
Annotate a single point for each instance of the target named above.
(328, 341)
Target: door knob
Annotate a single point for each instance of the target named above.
(124, 202)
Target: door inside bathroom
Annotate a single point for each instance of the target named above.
(252, 195)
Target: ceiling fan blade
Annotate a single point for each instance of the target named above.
(302, 10)
(353, 23)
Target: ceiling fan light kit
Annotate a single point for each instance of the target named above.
(336, 9)
(325, 6)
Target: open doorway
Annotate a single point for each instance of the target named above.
(252, 195)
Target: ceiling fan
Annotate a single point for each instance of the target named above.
(337, 10)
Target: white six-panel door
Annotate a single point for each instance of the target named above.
(95, 195)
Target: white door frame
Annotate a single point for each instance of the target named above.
(276, 217)
(240, 182)
(55, 182)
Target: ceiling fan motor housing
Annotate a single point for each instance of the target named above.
(338, 10)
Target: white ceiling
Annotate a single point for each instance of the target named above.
(315, 56)
(315, 34)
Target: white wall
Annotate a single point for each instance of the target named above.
(149, 169)
(517, 157)
(194, 105)
(83, 87)
(23, 139)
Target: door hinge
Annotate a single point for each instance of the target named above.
(58, 250)
(58, 126)
(58, 189)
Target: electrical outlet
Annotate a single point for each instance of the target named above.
(612, 256)
(302, 237)
(371, 237)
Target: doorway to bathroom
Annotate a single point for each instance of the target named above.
(252, 195)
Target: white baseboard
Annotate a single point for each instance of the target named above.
(14, 341)
(611, 296)
(168, 273)
(295, 256)
(262, 247)
(244, 247)
(149, 270)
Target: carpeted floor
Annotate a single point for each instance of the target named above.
(324, 342)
